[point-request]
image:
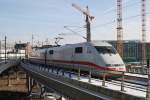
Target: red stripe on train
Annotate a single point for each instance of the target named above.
(83, 63)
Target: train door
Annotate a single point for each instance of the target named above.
(89, 54)
(90, 57)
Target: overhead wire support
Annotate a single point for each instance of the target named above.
(57, 39)
(32, 40)
(119, 28)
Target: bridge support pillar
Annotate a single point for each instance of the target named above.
(29, 85)
(42, 91)
(9, 80)
(17, 75)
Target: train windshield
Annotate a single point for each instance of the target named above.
(105, 49)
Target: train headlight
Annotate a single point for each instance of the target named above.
(114, 65)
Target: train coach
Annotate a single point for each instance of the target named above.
(97, 56)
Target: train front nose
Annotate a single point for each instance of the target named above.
(114, 62)
(116, 67)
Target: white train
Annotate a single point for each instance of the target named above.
(97, 56)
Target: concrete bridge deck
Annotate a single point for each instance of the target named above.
(74, 89)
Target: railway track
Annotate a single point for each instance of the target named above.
(131, 84)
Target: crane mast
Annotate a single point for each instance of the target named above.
(143, 16)
(88, 27)
(119, 28)
(88, 19)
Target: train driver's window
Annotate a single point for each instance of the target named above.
(51, 52)
(78, 50)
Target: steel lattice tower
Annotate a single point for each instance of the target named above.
(143, 19)
(119, 28)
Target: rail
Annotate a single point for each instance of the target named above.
(127, 87)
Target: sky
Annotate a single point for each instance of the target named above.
(45, 20)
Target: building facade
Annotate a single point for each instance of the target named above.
(133, 50)
(24, 49)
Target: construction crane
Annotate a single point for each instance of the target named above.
(88, 19)
(119, 28)
(143, 19)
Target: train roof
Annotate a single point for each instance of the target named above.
(93, 43)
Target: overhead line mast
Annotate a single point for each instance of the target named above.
(88, 19)
(32, 40)
(119, 28)
(143, 16)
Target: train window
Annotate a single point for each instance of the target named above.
(78, 50)
(51, 51)
(107, 49)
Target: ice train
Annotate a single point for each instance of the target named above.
(96, 56)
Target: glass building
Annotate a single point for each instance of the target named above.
(133, 50)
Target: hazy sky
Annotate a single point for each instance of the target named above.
(45, 19)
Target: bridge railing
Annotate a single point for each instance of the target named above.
(139, 70)
(9, 63)
(57, 74)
